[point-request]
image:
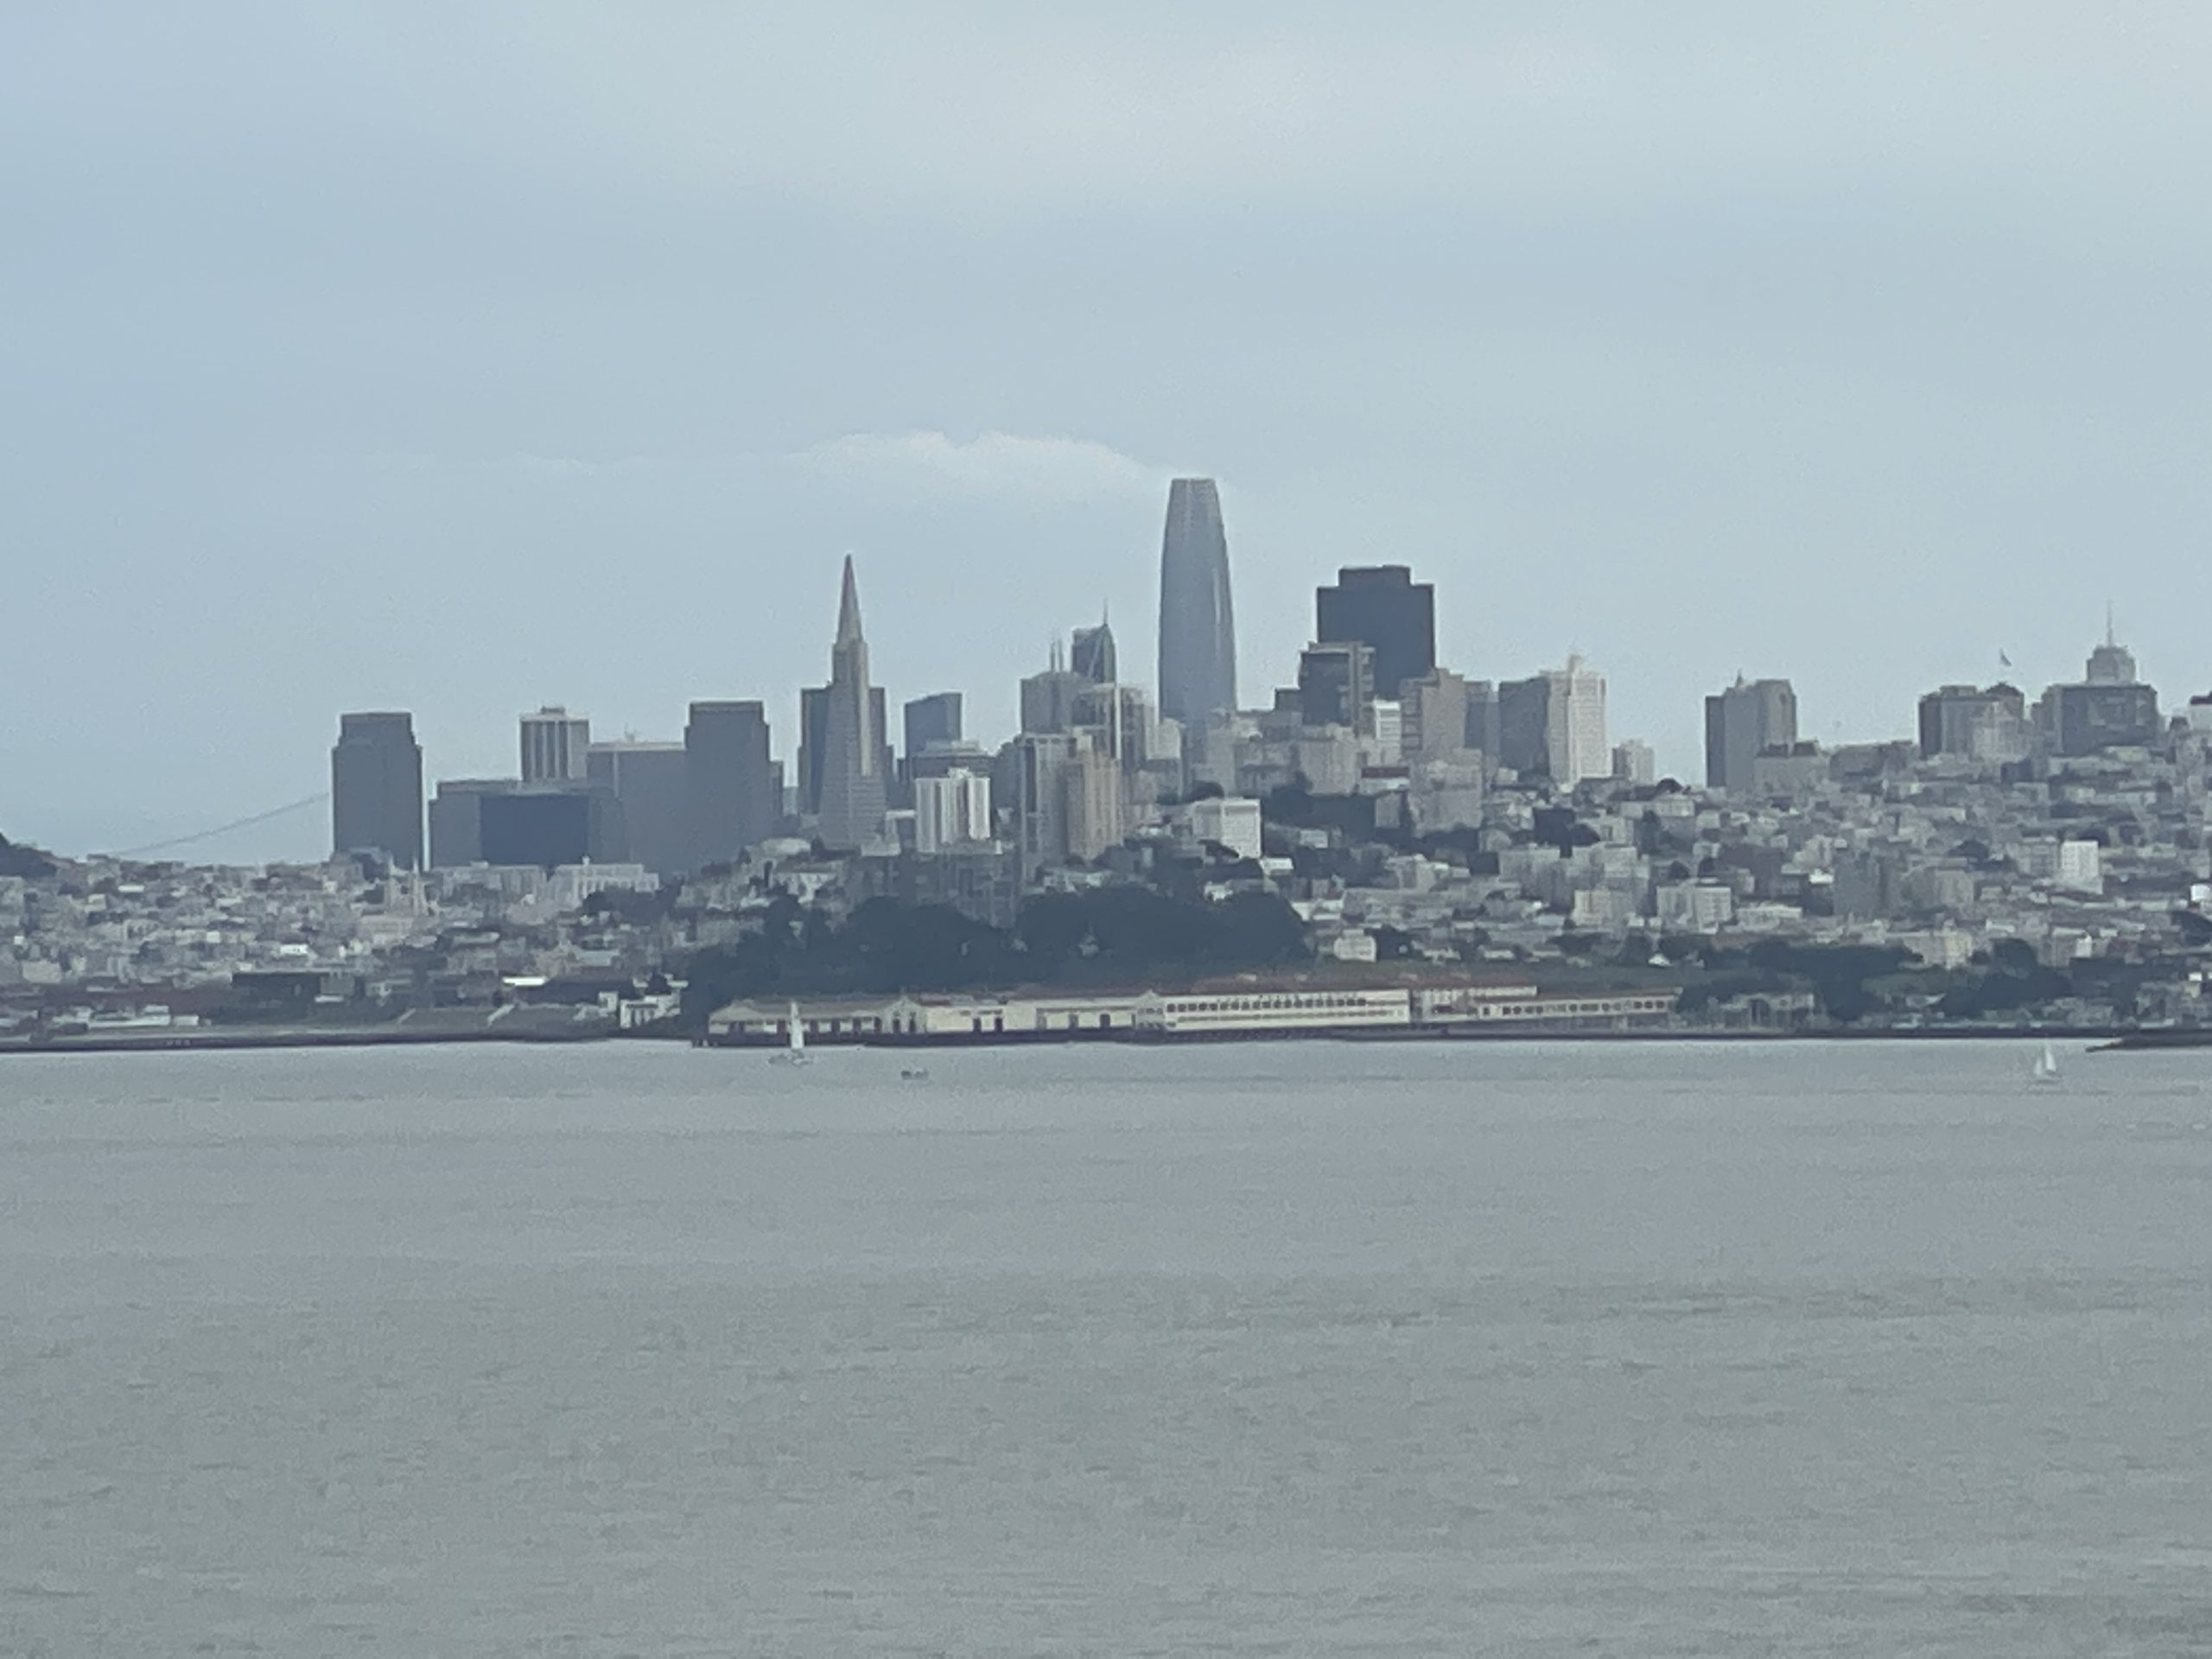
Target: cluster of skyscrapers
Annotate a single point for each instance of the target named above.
(1751, 743)
(674, 807)
(1094, 755)
(1371, 713)
(2108, 707)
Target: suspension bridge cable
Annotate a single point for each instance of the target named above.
(273, 813)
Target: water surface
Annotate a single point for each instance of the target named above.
(1286, 1348)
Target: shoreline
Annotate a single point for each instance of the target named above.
(2107, 1039)
(172, 1042)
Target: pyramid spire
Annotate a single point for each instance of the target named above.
(848, 608)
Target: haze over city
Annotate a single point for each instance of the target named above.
(464, 362)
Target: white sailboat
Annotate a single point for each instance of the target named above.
(794, 1052)
(2046, 1069)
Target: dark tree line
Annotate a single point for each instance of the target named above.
(1102, 936)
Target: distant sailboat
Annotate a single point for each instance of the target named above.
(2046, 1069)
(795, 1053)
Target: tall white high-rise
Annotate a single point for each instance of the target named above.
(951, 811)
(854, 792)
(1575, 724)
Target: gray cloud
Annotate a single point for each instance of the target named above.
(1051, 470)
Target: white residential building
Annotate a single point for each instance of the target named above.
(567, 887)
(1389, 716)
(1575, 724)
(951, 811)
(1229, 820)
(1696, 906)
(2081, 866)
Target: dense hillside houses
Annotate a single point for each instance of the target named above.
(1881, 886)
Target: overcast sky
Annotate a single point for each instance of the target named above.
(460, 358)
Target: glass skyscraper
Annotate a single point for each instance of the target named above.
(1198, 629)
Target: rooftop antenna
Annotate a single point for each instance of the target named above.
(2108, 639)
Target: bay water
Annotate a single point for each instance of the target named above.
(1291, 1348)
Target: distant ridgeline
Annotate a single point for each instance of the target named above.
(1103, 935)
(25, 861)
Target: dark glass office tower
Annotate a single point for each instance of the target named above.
(1524, 717)
(1093, 657)
(1385, 609)
(1198, 629)
(550, 825)
(933, 719)
(729, 785)
(376, 788)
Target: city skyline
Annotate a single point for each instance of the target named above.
(1086, 764)
(555, 741)
(1680, 756)
(561, 374)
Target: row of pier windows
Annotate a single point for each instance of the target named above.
(1273, 1004)
(1555, 1010)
